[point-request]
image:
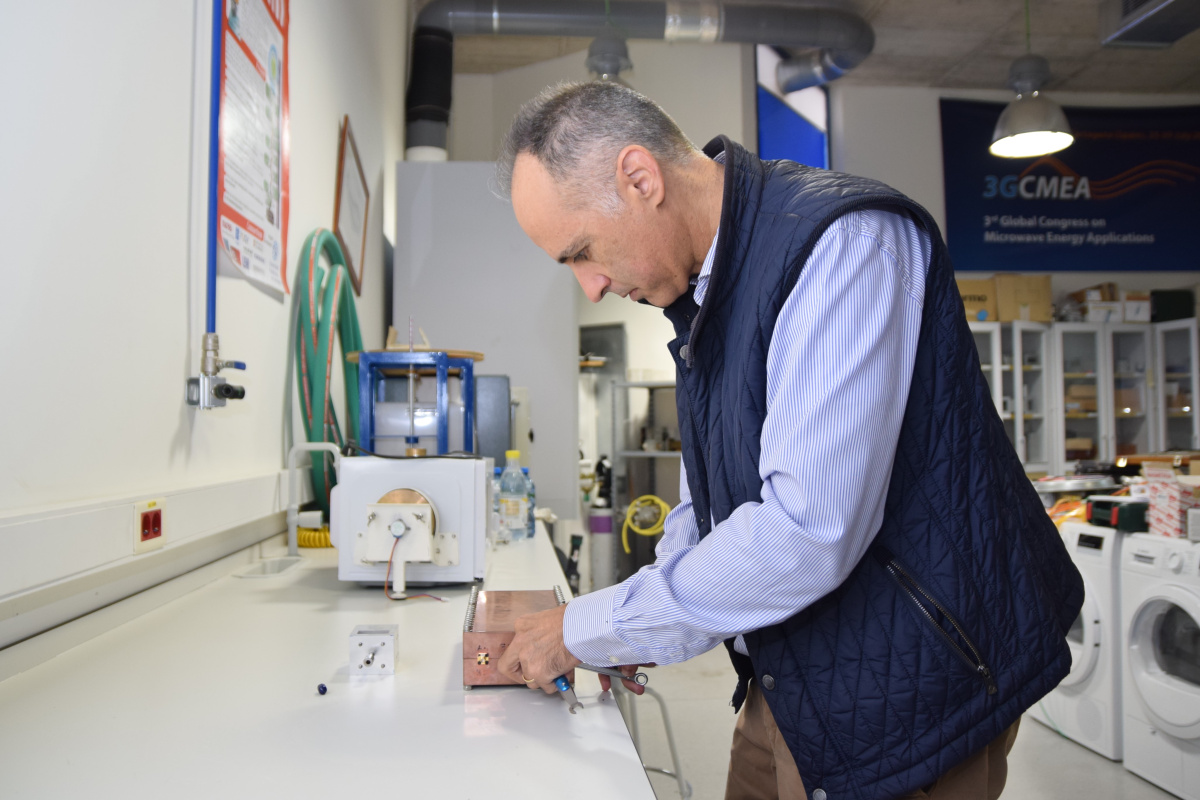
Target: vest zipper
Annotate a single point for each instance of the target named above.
(975, 660)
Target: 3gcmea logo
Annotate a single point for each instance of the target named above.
(1050, 179)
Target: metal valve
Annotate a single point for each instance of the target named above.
(209, 389)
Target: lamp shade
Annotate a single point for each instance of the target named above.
(1029, 126)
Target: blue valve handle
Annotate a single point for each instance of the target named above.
(568, 694)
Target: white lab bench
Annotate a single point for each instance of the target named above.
(214, 694)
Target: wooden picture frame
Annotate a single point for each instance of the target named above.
(351, 206)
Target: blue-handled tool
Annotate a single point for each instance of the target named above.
(568, 694)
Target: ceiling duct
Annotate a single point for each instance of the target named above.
(834, 41)
(1147, 23)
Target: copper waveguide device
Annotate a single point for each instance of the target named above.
(488, 630)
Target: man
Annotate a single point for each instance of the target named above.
(854, 524)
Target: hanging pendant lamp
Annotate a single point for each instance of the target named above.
(1031, 125)
(608, 56)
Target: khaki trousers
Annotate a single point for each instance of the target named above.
(762, 768)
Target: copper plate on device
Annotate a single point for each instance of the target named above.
(411, 496)
(488, 630)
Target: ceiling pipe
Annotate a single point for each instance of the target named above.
(839, 39)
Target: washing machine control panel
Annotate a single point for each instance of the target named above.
(1158, 555)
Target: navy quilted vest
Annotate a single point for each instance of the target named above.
(954, 622)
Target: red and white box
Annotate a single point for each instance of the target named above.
(1171, 496)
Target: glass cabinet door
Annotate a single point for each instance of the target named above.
(1079, 353)
(1030, 342)
(1132, 409)
(987, 342)
(1178, 415)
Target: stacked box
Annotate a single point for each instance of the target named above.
(979, 299)
(1171, 497)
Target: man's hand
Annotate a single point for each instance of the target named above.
(537, 654)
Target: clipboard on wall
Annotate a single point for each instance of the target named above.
(352, 202)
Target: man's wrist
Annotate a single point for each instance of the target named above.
(588, 632)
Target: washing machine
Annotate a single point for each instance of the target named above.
(1160, 612)
(1086, 706)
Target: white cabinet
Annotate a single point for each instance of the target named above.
(1104, 396)
(1178, 382)
(1015, 358)
(1031, 359)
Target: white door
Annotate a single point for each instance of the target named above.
(1084, 638)
(1079, 351)
(1131, 407)
(1164, 659)
(1178, 384)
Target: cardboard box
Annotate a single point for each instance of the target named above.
(979, 299)
(1127, 399)
(1136, 306)
(1103, 311)
(1100, 293)
(1023, 298)
(1081, 390)
(1171, 497)
(1079, 447)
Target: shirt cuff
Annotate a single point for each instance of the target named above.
(589, 634)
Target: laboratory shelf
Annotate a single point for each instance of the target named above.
(650, 454)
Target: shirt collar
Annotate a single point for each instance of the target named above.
(701, 280)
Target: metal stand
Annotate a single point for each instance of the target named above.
(370, 385)
(628, 709)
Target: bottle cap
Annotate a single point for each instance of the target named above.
(497, 470)
(512, 453)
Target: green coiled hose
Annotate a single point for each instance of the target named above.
(325, 303)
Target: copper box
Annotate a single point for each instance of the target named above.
(488, 629)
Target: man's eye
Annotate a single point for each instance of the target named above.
(580, 256)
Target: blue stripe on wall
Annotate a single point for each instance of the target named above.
(782, 133)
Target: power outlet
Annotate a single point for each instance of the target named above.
(148, 530)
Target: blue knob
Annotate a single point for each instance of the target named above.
(321, 688)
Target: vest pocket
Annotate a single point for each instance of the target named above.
(934, 613)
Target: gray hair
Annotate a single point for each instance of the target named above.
(577, 130)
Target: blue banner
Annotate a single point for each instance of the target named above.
(1124, 196)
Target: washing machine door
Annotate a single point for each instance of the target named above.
(1164, 659)
(1084, 638)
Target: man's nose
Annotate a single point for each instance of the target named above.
(592, 283)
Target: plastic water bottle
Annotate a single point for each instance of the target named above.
(496, 489)
(531, 495)
(514, 504)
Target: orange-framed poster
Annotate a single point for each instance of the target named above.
(252, 168)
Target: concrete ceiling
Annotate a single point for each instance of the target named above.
(962, 44)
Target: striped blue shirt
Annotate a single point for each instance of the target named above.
(838, 372)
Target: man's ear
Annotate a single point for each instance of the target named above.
(639, 177)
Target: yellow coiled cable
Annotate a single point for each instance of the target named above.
(313, 537)
(655, 529)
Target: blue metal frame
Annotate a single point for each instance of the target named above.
(370, 391)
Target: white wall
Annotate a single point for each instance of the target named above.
(471, 280)
(703, 87)
(101, 313)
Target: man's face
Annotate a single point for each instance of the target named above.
(636, 253)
